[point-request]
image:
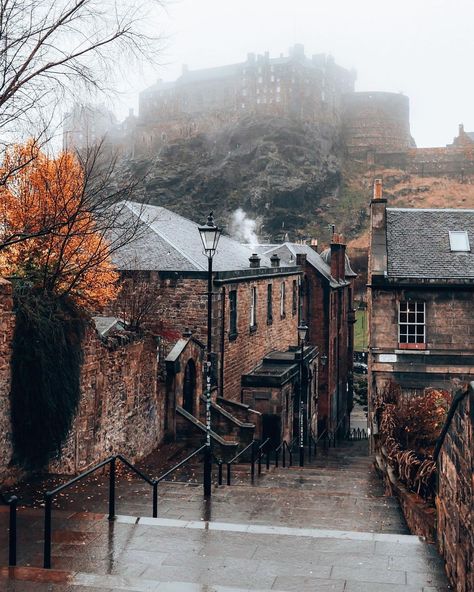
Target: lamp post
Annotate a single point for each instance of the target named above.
(210, 235)
(302, 330)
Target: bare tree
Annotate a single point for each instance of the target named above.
(138, 299)
(48, 49)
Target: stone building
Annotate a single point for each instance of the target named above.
(326, 306)
(255, 315)
(420, 296)
(310, 89)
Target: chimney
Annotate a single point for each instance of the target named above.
(461, 129)
(254, 260)
(275, 260)
(377, 241)
(314, 244)
(300, 259)
(338, 256)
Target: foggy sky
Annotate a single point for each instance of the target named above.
(423, 48)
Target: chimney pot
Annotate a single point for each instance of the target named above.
(275, 260)
(254, 260)
(378, 189)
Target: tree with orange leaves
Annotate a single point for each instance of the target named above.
(59, 224)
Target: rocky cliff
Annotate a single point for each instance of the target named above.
(279, 171)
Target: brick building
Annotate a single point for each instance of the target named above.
(326, 306)
(421, 294)
(255, 314)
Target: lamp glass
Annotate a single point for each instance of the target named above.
(210, 235)
(302, 331)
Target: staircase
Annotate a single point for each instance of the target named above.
(326, 526)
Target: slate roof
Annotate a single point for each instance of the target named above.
(169, 242)
(418, 243)
(287, 253)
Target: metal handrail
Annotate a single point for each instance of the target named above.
(283, 446)
(237, 456)
(315, 441)
(49, 496)
(11, 502)
(260, 453)
(180, 464)
(458, 397)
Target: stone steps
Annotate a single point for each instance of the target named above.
(159, 555)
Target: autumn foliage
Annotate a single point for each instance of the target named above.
(48, 235)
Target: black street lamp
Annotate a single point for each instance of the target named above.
(210, 235)
(302, 330)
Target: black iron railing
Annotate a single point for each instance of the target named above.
(250, 447)
(49, 497)
(263, 449)
(172, 470)
(283, 449)
(314, 442)
(12, 502)
(357, 434)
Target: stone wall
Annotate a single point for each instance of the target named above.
(429, 162)
(7, 326)
(376, 121)
(119, 410)
(455, 501)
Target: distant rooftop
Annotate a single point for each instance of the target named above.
(419, 245)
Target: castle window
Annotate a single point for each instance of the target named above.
(272, 78)
(260, 79)
(258, 101)
(278, 89)
(243, 105)
(411, 323)
(278, 99)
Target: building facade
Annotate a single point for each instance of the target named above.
(421, 295)
(255, 314)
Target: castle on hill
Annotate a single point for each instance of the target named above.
(374, 126)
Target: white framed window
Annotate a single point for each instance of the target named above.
(459, 241)
(412, 322)
(253, 307)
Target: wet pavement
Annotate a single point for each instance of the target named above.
(327, 526)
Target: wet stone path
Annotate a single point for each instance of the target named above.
(325, 527)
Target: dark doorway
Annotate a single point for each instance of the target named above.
(271, 428)
(189, 386)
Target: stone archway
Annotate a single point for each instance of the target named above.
(189, 387)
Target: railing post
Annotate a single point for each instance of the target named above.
(112, 489)
(259, 453)
(47, 531)
(268, 460)
(284, 455)
(228, 472)
(277, 454)
(12, 531)
(290, 459)
(219, 473)
(252, 460)
(155, 499)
